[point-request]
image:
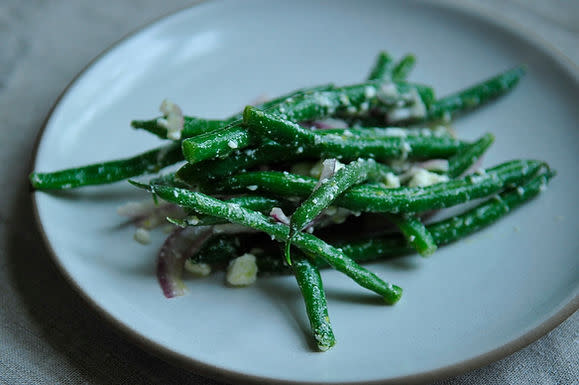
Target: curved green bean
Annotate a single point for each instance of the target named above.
(475, 96)
(468, 156)
(310, 284)
(416, 234)
(403, 199)
(442, 232)
(108, 172)
(403, 67)
(382, 68)
(309, 244)
(351, 147)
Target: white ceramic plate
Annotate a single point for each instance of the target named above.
(471, 303)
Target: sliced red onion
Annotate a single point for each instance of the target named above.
(474, 168)
(179, 246)
(328, 123)
(279, 216)
(173, 254)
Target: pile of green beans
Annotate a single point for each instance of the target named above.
(329, 156)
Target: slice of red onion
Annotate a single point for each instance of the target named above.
(172, 256)
(279, 216)
(182, 244)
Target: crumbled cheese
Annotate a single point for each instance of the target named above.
(242, 271)
(339, 165)
(411, 238)
(232, 144)
(424, 178)
(198, 269)
(388, 93)
(369, 92)
(344, 99)
(392, 181)
(142, 236)
(324, 101)
(193, 220)
(173, 119)
(252, 187)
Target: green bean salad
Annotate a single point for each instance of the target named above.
(278, 187)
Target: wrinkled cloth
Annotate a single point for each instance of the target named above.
(48, 333)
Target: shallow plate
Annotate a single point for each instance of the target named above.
(471, 303)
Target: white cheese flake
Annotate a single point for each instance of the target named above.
(142, 236)
(198, 269)
(242, 271)
(392, 181)
(423, 178)
(369, 92)
(173, 119)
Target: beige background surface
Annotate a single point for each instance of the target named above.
(48, 334)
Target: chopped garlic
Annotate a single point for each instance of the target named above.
(198, 269)
(424, 178)
(242, 271)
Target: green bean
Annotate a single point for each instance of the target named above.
(416, 234)
(371, 198)
(335, 146)
(108, 172)
(442, 232)
(310, 284)
(309, 244)
(457, 227)
(468, 156)
(256, 203)
(272, 153)
(382, 68)
(219, 249)
(403, 67)
(215, 144)
(328, 191)
(345, 101)
(477, 95)
(194, 126)
(268, 153)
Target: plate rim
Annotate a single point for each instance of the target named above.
(222, 374)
